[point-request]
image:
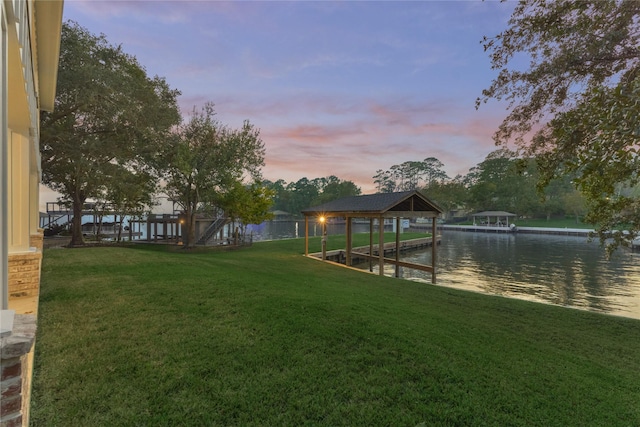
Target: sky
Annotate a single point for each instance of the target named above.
(340, 88)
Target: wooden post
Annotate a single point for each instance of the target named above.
(324, 239)
(433, 249)
(397, 246)
(381, 247)
(349, 241)
(371, 244)
(306, 235)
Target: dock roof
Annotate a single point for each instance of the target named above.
(409, 204)
(494, 213)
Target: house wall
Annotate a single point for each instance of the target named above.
(29, 50)
(4, 162)
(19, 193)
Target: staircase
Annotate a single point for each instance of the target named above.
(60, 215)
(56, 226)
(212, 230)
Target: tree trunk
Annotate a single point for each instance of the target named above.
(119, 222)
(76, 224)
(99, 230)
(190, 238)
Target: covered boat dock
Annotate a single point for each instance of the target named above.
(408, 204)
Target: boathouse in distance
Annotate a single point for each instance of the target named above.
(408, 204)
(493, 218)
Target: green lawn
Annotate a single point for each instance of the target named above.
(553, 223)
(263, 336)
(543, 222)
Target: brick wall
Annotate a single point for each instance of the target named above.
(36, 240)
(17, 354)
(24, 274)
(14, 351)
(24, 269)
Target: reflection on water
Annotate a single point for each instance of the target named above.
(563, 270)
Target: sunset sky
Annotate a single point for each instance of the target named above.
(337, 87)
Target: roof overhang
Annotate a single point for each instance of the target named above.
(409, 204)
(48, 33)
(494, 213)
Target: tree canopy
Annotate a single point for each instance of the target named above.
(409, 175)
(248, 204)
(203, 159)
(109, 117)
(295, 196)
(502, 181)
(575, 107)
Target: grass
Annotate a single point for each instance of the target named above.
(263, 336)
(553, 223)
(543, 222)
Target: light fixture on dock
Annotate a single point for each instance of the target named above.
(323, 221)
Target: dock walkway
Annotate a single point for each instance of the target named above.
(361, 253)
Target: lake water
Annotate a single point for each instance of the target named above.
(562, 270)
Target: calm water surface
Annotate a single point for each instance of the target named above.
(563, 270)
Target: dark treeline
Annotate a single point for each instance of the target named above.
(500, 182)
(295, 196)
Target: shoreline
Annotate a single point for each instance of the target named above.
(583, 232)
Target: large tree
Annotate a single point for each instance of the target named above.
(130, 194)
(432, 171)
(333, 188)
(280, 194)
(303, 192)
(295, 196)
(503, 182)
(204, 159)
(408, 175)
(248, 204)
(576, 105)
(109, 116)
(451, 195)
